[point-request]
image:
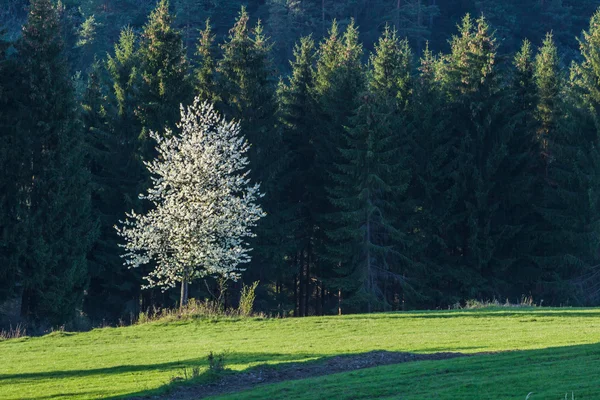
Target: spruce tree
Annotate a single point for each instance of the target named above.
(205, 74)
(11, 150)
(339, 81)
(478, 235)
(163, 70)
(371, 179)
(118, 175)
(579, 148)
(525, 187)
(426, 282)
(247, 83)
(59, 226)
(297, 113)
(558, 250)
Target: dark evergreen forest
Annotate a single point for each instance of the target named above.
(413, 153)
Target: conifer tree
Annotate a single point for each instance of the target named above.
(118, 174)
(123, 70)
(248, 83)
(585, 74)
(339, 81)
(11, 150)
(297, 113)
(525, 187)
(560, 239)
(163, 69)
(371, 179)
(426, 280)
(60, 230)
(477, 239)
(573, 174)
(248, 93)
(206, 80)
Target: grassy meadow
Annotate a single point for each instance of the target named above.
(545, 351)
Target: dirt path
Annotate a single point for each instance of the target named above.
(285, 372)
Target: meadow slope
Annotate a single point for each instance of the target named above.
(548, 345)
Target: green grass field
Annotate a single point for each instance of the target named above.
(552, 351)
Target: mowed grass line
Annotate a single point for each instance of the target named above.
(547, 374)
(114, 362)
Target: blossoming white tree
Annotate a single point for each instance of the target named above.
(204, 205)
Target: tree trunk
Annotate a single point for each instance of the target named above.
(369, 272)
(183, 299)
(307, 291)
(296, 307)
(301, 285)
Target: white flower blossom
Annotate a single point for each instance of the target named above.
(204, 205)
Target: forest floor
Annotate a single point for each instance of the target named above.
(512, 352)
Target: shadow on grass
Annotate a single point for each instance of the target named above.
(288, 367)
(175, 366)
(549, 360)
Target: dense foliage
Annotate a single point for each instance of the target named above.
(399, 169)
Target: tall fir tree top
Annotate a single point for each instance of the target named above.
(523, 78)
(122, 67)
(390, 64)
(586, 75)
(352, 44)
(125, 47)
(330, 52)
(547, 68)
(548, 79)
(164, 69)
(205, 48)
(240, 27)
(162, 46)
(340, 57)
(472, 58)
(427, 66)
(296, 95)
(523, 61)
(245, 44)
(160, 18)
(206, 86)
(303, 71)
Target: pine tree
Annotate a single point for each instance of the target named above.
(478, 235)
(584, 74)
(563, 236)
(584, 139)
(426, 280)
(297, 113)
(248, 84)
(339, 81)
(206, 79)
(525, 186)
(118, 175)
(60, 230)
(11, 149)
(339, 75)
(330, 87)
(370, 182)
(248, 91)
(163, 69)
